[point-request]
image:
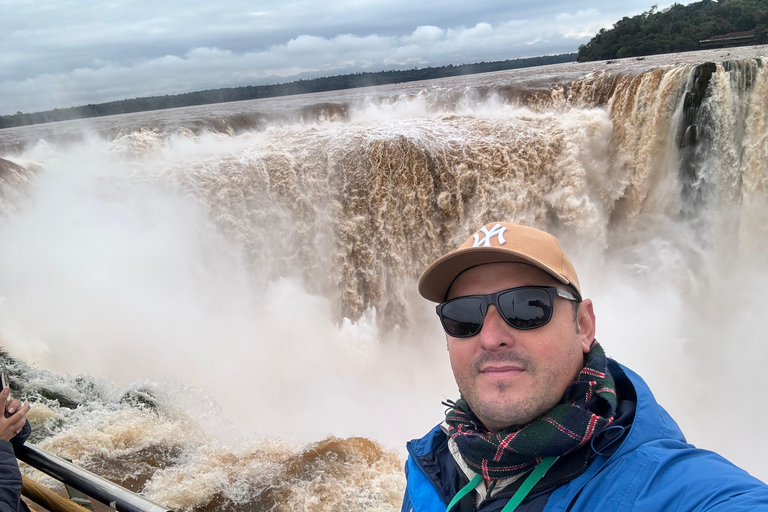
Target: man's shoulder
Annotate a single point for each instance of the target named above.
(666, 474)
(427, 443)
(654, 468)
(430, 473)
(430, 457)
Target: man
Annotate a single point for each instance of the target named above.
(545, 421)
(14, 430)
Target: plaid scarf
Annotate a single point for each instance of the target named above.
(587, 407)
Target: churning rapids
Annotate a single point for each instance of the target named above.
(216, 305)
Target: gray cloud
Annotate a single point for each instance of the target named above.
(59, 55)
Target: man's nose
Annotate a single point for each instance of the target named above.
(495, 332)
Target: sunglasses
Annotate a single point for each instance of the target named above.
(526, 307)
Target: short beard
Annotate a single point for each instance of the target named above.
(496, 416)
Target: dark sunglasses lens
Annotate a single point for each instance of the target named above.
(462, 317)
(526, 308)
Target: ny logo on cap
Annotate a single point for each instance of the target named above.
(497, 230)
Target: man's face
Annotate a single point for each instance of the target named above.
(510, 377)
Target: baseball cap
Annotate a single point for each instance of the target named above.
(499, 242)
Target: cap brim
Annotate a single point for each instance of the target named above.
(437, 278)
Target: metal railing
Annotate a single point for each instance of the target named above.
(98, 488)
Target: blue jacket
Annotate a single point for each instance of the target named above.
(643, 464)
(10, 477)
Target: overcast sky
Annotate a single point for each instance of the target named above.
(61, 53)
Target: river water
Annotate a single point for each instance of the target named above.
(216, 305)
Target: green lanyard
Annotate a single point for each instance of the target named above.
(532, 479)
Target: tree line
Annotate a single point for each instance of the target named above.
(323, 84)
(677, 28)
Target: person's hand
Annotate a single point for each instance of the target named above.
(17, 416)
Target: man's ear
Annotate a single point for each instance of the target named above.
(585, 320)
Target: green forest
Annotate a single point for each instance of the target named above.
(330, 83)
(678, 28)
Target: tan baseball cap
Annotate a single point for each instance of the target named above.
(498, 242)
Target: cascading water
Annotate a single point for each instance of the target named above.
(234, 285)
